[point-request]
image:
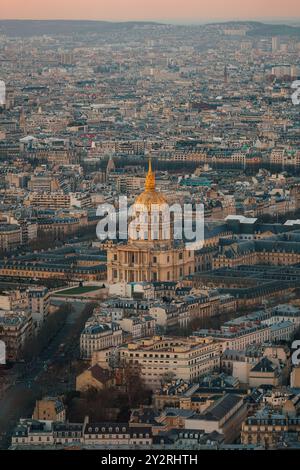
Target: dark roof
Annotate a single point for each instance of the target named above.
(264, 365)
(100, 374)
(145, 415)
(105, 428)
(219, 409)
(116, 428)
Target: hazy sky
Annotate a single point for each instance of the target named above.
(174, 10)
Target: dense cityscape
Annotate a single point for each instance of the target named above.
(148, 342)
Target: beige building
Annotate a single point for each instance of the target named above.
(238, 338)
(256, 252)
(39, 304)
(264, 373)
(15, 328)
(94, 377)
(10, 236)
(59, 226)
(295, 377)
(11, 299)
(99, 336)
(182, 358)
(267, 429)
(198, 306)
(138, 327)
(225, 416)
(58, 200)
(43, 183)
(49, 409)
(116, 435)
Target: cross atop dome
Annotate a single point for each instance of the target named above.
(150, 178)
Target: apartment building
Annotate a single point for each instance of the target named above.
(12, 299)
(39, 304)
(49, 409)
(139, 327)
(116, 434)
(99, 336)
(267, 428)
(15, 328)
(59, 226)
(43, 183)
(237, 338)
(58, 200)
(10, 236)
(44, 434)
(183, 358)
(181, 312)
(256, 328)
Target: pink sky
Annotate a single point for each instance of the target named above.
(149, 9)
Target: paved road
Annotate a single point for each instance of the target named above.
(34, 382)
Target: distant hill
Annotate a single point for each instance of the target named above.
(28, 28)
(262, 29)
(256, 28)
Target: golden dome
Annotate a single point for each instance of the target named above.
(148, 199)
(150, 195)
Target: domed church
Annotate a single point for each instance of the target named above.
(151, 253)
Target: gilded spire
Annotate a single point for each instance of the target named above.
(150, 178)
(150, 196)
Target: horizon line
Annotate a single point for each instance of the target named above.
(164, 21)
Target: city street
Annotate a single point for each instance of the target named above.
(34, 381)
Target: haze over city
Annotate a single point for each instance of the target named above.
(152, 10)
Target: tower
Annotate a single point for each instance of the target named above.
(225, 75)
(22, 121)
(110, 167)
(275, 44)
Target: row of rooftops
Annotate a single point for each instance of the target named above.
(185, 300)
(19, 265)
(13, 318)
(101, 328)
(252, 322)
(215, 382)
(66, 429)
(65, 259)
(269, 418)
(283, 310)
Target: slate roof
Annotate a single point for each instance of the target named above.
(264, 365)
(219, 410)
